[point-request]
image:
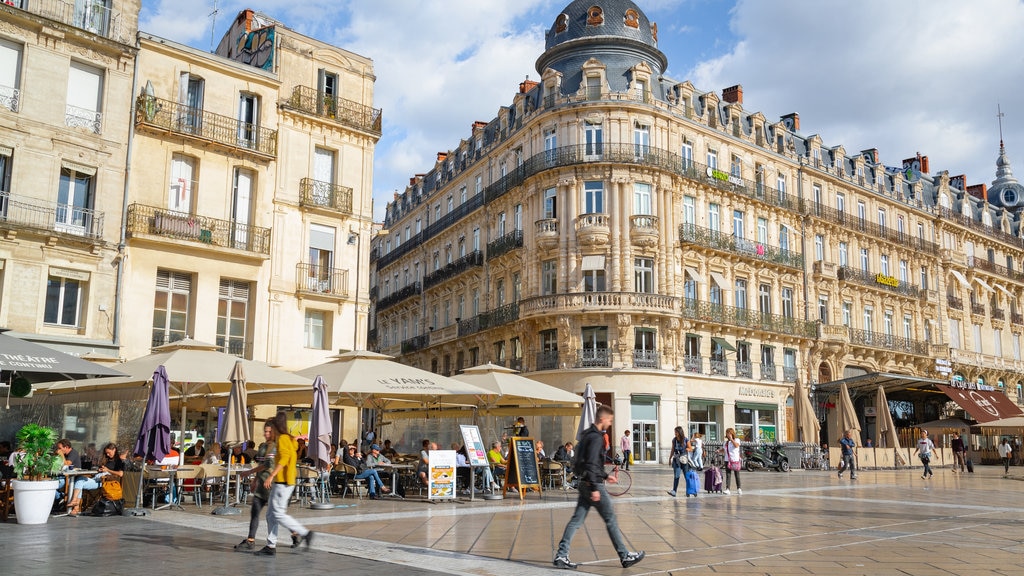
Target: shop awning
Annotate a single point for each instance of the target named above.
(720, 280)
(983, 405)
(723, 343)
(695, 275)
(870, 382)
(983, 284)
(961, 279)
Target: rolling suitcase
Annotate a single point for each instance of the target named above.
(713, 480)
(970, 466)
(692, 483)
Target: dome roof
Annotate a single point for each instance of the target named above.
(601, 18)
(1006, 191)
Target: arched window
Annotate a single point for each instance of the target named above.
(632, 18)
(561, 23)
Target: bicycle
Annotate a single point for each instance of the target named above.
(625, 480)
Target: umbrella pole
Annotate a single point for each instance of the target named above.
(227, 509)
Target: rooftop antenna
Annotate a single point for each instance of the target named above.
(999, 117)
(213, 23)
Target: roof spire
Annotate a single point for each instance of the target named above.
(1004, 173)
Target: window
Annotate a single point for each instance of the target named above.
(183, 183)
(499, 290)
(451, 204)
(232, 317)
(715, 294)
(689, 210)
(447, 313)
(171, 306)
(645, 339)
(328, 86)
(463, 195)
(864, 259)
(641, 140)
(861, 212)
(550, 143)
(476, 302)
(712, 159)
(762, 230)
(764, 297)
(10, 75)
(847, 314)
(593, 280)
(517, 217)
(817, 193)
(550, 203)
(5, 179)
(819, 247)
(887, 321)
(737, 224)
(479, 186)
(869, 323)
(74, 200)
(476, 239)
(954, 333)
(643, 275)
(976, 336)
(314, 333)
(904, 271)
(767, 355)
(460, 308)
(787, 302)
(714, 217)
(241, 206)
(736, 166)
(823, 309)
(784, 239)
(595, 345)
(419, 225)
(885, 264)
(840, 202)
(741, 294)
(85, 97)
(499, 352)
(501, 224)
(593, 197)
(780, 184)
(549, 277)
(594, 138)
(321, 258)
(1016, 346)
(689, 289)
(881, 219)
(641, 199)
(687, 154)
(248, 120)
(63, 301)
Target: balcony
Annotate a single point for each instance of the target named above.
(400, 295)
(643, 231)
(744, 369)
(235, 347)
(474, 258)
(1017, 318)
(982, 264)
(160, 222)
(583, 302)
(978, 309)
(722, 242)
(49, 217)
(646, 359)
(197, 124)
(850, 222)
(344, 112)
(546, 233)
(998, 314)
(491, 319)
(768, 372)
(324, 195)
(887, 341)
(789, 373)
(90, 120)
(10, 98)
(593, 358)
(505, 244)
(717, 314)
(321, 280)
(415, 343)
(967, 222)
(547, 360)
(92, 17)
(955, 303)
(718, 367)
(880, 281)
(693, 364)
(592, 229)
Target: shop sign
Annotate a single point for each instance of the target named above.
(887, 280)
(755, 392)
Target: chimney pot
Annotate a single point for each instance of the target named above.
(733, 94)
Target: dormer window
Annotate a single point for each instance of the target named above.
(561, 23)
(632, 19)
(595, 16)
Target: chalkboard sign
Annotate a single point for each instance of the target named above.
(522, 471)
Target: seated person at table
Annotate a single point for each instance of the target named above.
(71, 460)
(497, 461)
(238, 456)
(301, 454)
(388, 451)
(423, 466)
(377, 458)
(373, 481)
(539, 447)
(565, 453)
(195, 452)
(111, 470)
(463, 472)
(213, 454)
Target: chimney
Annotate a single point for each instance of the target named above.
(871, 154)
(979, 191)
(733, 94)
(527, 85)
(248, 20)
(922, 163)
(792, 122)
(479, 124)
(442, 156)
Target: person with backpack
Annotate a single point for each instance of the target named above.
(679, 446)
(924, 452)
(849, 460)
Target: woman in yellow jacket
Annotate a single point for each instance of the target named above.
(281, 483)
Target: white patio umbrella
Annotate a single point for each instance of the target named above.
(589, 414)
(846, 414)
(236, 428)
(506, 385)
(806, 421)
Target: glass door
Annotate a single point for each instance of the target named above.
(645, 442)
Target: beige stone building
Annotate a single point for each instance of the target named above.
(687, 257)
(65, 79)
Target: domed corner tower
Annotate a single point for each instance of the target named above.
(614, 33)
(1005, 191)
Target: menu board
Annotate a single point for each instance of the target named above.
(441, 475)
(522, 471)
(477, 453)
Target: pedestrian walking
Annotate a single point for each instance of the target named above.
(924, 452)
(849, 456)
(589, 469)
(697, 442)
(678, 451)
(733, 461)
(1005, 453)
(260, 493)
(626, 446)
(281, 484)
(959, 452)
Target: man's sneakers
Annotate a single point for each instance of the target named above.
(632, 558)
(308, 538)
(246, 546)
(266, 551)
(296, 540)
(840, 474)
(564, 563)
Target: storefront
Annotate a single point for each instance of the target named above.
(756, 422)
(706, 418)
(643, 413)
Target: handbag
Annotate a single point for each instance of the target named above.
(734, 465)
(682, 460)
(111, 489)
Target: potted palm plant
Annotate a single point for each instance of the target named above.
(35, 467)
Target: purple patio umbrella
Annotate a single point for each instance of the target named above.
(154, 439)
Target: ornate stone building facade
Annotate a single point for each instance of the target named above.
(687, 257)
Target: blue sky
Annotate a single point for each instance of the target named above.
(904, 77)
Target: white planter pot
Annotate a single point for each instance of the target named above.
(33, 500)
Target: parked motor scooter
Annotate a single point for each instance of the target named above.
(768, 457)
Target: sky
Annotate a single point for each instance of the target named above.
(907, 77)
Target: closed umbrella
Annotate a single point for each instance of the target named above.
(887, 437)
(235, 429)
(808, 427)
(846, 415)
(589, 414)
(319, 448)
(154, 439)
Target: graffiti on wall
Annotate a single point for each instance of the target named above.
(254, 48)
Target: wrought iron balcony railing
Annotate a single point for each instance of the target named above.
(197, 123)
(998, 314)
(718, 367)
(851, 222)
(717, 240)
(155, 221)
(345, 112)
(978, 309)
(474, 258)
(768, 372)
(747, 318)
(593, 358)
(317, 194)
(983, 264)
(547, 360)
(49, 217)
(955, 303)
(505, 244)
(646, 359)
(790, 373)
(10, 98)
(577, 302)
(76, 117)
(888, 341)
(415, 343)
(1016, 318)
(744, 369)
(490, 319)
(865, 278)
(235, 346)
(316, 279)
(399, 295)
(92, 17)
(693, 364)
(980, 227)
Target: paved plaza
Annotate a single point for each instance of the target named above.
(805, 522)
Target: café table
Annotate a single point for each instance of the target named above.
(172, 485)
(70, 475)
(396, 471)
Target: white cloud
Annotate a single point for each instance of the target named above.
(902, 77)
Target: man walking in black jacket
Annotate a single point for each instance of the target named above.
(589, 469)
